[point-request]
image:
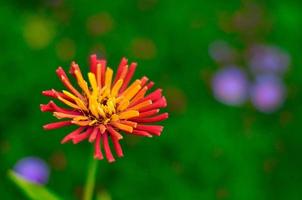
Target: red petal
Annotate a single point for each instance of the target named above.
(154, 129)
(78, 138)
(141, 133)
(117, 146)
(157, 118)
(93, 134)
(56, 125)
(107, 149)
(128, 76)
(150, 85)
(144, 80)
(161, 103)
(120, 69)
(97, 147)
(93, 63)
(63, 77)
(114, 133)
(71, 135)
(103, 70)
(148, 113)
(155, 95)
(74, 66)
(51, 107)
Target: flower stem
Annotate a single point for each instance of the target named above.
(90, 182)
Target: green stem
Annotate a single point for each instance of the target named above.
(90, 182)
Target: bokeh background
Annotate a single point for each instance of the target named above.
(231, 72)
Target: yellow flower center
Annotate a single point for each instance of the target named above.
(101, 105)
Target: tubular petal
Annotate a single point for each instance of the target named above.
(124, 72)
(122, 127)
(120, 69)
(117, 146)
(102, 128)
(144, 80)
(139, 96)
(131, 87)
(62, 75)
(103, 70)
(49, 93)
(97, 147)
(93, 83)
(114, 133)
(141, 133)
(148, 113)
(51, 107)
(141, 105)
(155, 95)
(68, 103)
(129, 76)
(128, 114)
(71, 135)
(116, 87)
(154, 129)
(108, 78)
(150, 85)
(161, 103)
(132, 92)
(56, 125)
(129, 123)
(107, 149)
(81, 82)
(77, 100)
(93, 63)
(151, 119)
(123, 105)
(99, 75)
(60, 115)
(81, 123)
(55, 94)
(93, 134)
(78, 138)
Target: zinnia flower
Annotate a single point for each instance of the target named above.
(106, 106)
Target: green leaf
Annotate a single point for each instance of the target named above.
(32, 190)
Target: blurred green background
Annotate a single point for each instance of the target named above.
(208, 150)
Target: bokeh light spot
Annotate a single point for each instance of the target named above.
(38, 32)
(100, 24)
(65, 49)
(143, 48)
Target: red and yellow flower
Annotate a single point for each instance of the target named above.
(106, 106)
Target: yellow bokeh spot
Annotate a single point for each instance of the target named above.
(38, 32)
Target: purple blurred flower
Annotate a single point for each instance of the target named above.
(222, 52)
(268, 59)
(267, 93)
(230, 86)
(32, 169)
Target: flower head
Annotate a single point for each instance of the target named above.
(230, 86)
(32, 169)
(268, 93)
(263, 59)
(106, 106)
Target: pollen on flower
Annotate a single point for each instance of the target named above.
(105, 106)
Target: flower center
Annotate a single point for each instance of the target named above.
(101, 110)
